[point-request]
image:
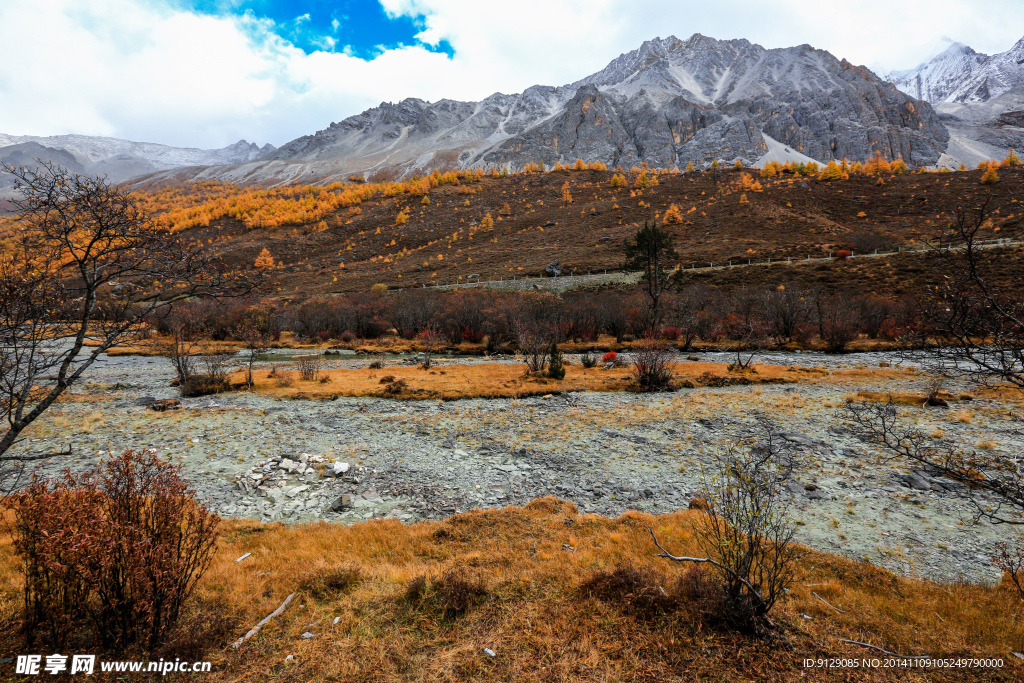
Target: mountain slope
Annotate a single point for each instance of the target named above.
(122, 159)
(669, 103)
(940, 77)
(980, 98)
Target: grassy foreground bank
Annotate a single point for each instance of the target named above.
(388, 602)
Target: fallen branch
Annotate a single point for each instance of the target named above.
(828, 603)
(256, 629)
(885, 652)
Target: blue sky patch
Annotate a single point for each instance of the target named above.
(358, 27)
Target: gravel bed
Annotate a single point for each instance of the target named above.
(607, 453)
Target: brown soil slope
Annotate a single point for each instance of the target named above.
(445, 242)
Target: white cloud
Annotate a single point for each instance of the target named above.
(143, 70)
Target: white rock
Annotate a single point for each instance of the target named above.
(340, 468)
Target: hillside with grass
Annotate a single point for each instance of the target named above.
(447, 228)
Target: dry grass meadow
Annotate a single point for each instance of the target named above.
(495, 380)
(517, 585)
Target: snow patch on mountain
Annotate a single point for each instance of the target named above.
(781, 153)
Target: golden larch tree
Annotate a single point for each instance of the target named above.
(673, 216)
(264, 261)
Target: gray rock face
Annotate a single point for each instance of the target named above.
(668, 103)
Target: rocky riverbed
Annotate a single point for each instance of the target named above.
(352, 459)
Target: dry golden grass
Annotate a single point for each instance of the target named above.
(495, 380)
(542, 627)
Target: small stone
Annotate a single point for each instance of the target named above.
(342, 502)
(165, 404)
(291, 493)
(307, 635)
(490, 653)
(339, 468)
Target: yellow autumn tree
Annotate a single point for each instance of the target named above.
(771, 170)
(990, 177)
(618, 180)
(738, 165)
(832, 172)
(425, 201)
(877, 164)
(579, 165)
(487, 223)
(264, 261)
(673, 216)
(566, 194)
(643, 181)
(1010, 161)
(402, 217)
(690, 168)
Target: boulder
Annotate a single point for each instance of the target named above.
(165, 404)
(553, 269)
(339, 468)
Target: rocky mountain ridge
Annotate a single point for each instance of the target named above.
(118, 159)
(959, 74)
(979, 97)
(669, 103)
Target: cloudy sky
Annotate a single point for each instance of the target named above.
(207, 73)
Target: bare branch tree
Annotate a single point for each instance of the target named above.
(255, 331)
(89, 266)
(979, 472)
(968, 327)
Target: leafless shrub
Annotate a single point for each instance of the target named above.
(965, 326)
(256, 332)
(786, 309)
(395, 387)
(309, 367)
(838, 323)
(651, 371)
(978, 472)
(213, 381)
(744, 533)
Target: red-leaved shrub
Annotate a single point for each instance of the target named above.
(844, 254)
(609, 357)
(110, 555)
